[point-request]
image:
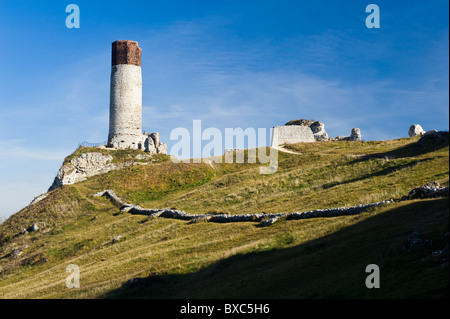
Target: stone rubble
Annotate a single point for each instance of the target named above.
(116, 239)
(429, 190)
(355, 135)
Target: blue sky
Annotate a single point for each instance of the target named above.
(227, 63)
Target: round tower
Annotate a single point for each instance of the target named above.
(125, 109)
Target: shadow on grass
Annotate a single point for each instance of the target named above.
(420, 147)
(382, 172)
(329, 267)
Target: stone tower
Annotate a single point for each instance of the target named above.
(125, 108)
(125, 113)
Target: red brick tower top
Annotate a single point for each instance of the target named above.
(126, 52)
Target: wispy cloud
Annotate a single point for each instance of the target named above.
(16, 149)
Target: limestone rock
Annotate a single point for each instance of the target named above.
(162, 149)
(429, 190)
(318, 129)
(38, 198)
(16, 252)
(82, 167)
(355, 135)
(116, 239)
(415, 130)
(152, 143)
(338, 138)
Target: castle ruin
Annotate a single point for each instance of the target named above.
(125, 111)
(307, 131)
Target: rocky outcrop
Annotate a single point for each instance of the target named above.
(86, 165)
(415, 130)
(152, 144)
(82, 167)
(318, 129)
(355, 135)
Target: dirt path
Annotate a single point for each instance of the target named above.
(285, 150)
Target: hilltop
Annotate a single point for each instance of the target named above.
(127, 255)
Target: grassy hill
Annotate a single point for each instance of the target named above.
(311, 258)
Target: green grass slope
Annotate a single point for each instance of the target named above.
(312, 258)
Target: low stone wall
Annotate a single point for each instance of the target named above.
(429, 190)
(265, 219)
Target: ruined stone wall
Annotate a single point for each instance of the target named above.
(290, 134)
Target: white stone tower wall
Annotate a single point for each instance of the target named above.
(125, 124)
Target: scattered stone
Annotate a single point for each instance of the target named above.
(16, 252)
(116, 239)
(415, 130)
(34, 227)
(429, 190)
